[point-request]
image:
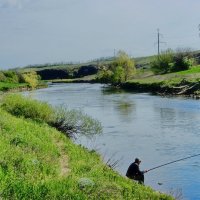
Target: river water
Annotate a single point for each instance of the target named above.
(156, 129)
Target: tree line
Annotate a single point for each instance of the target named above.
(12, 76)
(123, 67)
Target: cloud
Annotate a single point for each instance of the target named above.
(13, 3)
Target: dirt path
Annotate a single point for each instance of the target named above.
(64, 167)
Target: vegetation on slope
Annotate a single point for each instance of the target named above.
(38, 162)
(11, 79)
(5, 86)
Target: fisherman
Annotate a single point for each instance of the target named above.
(134, 172)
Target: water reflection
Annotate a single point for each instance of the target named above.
(125, 110)
(109, 90)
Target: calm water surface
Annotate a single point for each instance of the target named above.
(155, 129)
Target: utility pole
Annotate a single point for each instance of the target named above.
(158, 41)
(199, 29)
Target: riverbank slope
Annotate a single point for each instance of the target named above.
(39, 162)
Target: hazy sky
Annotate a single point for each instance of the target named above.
(47, 31)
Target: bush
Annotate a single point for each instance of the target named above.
(2, 77)
(73, 122)
(183, 60)
(104, 76)
(169, 61)
(68, 121)
(27, 108)
(11, 76)
(162, 64)
(31, 78)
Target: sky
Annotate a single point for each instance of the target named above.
(49, 31)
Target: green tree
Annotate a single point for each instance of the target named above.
(118, 75)
(104, 76)
(119, 71)
(31, 78)
(127, 63)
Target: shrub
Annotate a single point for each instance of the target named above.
(104, 76)
(68, 121)
(73, 122)
(169, 61)
(31, 78)
(162, 63)
(11, 76)
(183, 60)
(27, 108)
(2, 77)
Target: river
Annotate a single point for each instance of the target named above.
(155, 129)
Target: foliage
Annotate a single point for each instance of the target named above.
(162, 63)
(68, 121)
(28, 108)
(119, 71)
(183, 60)
(118, 75)
(170, 61)
(2, 77)
(104, 76)
(31, 78)
(75, 122)
(30, 166)
(11, 76)
(16, 77)
(193, 70)
(5, 86)
(126, 63)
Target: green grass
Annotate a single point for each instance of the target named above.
(31, 157)
(145, 76)
(10, 86)
(26, 107)
(192, 70)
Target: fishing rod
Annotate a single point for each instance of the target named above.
(173, 162)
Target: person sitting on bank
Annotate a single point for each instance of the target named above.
(134, 172)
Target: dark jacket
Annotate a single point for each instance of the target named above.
(134, 172)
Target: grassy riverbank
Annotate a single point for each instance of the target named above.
(185, 82)
(39, 162)
(5, 86)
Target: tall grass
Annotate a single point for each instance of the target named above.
(28, 108)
